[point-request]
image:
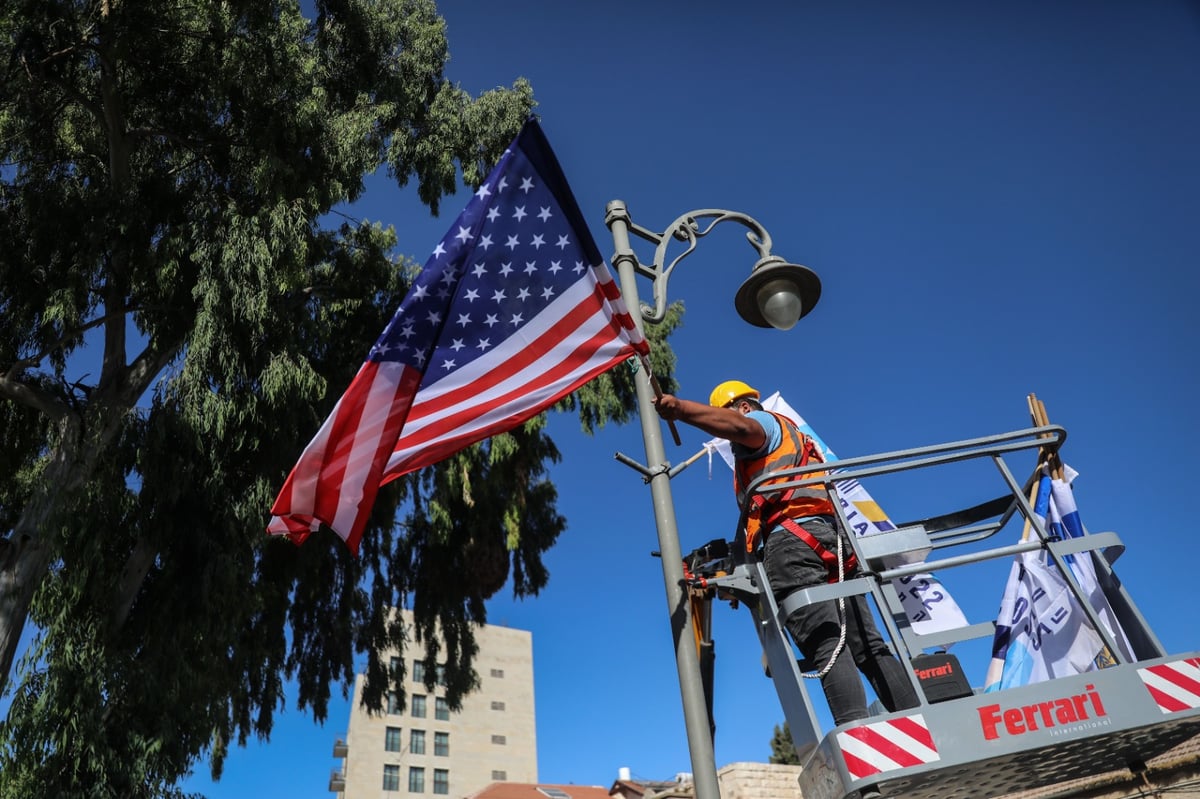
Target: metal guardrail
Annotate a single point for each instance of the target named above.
(961, 753)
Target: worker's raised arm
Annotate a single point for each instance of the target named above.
(721, 422)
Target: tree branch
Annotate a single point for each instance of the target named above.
(35, 359)
(137, 565)
(33, 397)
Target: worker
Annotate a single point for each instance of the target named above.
(800, 532)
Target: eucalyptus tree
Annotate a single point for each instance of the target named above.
(173, 177)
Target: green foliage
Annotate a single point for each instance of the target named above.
(782, 749)
(167, 176)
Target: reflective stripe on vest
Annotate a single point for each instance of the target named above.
(770, 508)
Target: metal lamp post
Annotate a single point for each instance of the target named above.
(777, 294)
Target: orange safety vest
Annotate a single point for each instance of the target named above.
(771, 509)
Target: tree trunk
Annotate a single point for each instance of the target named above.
(30, 549)
(25, 562)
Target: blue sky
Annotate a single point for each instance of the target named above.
(998, 197)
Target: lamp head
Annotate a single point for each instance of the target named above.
(777, 294)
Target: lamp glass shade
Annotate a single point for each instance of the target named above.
(777, 294)
(780, 303)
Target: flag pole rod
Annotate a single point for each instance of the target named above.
(1037, 412)
(658, 392)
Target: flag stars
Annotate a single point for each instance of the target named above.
(523, 294)
(579, 267)
(471, 295)
(449, 276)
(538, 241)
(492, 320)
(530, 267)
(464, 319)
(503, 184)
(420, 291)
(526, 185)
(479, 271)
(485, 243)
(547, 293)
(519, 213)
(463, 234)
(407, 331)
(484, 344)
(448, 364)
(512, 243)
(434, 318)
(493, 214)
(498, 295)
(555, 267)
(517, 320)
(419, 357)
(563, 242)
(544, 214)
(484, 192)
(506, 269)
(457, 345)
(439, 250)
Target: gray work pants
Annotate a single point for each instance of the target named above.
(792, 564)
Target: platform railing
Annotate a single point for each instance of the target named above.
(890, 556)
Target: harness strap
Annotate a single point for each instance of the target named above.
(828, 558)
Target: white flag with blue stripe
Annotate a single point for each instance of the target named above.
(1041, 629)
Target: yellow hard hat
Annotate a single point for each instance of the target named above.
(729, 391)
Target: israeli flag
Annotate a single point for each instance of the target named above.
(1041, 629)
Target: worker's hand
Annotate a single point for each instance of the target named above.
(668, 407)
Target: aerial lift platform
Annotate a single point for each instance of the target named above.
(979, 744)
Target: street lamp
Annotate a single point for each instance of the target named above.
(777, 294)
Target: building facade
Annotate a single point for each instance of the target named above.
(429, 751)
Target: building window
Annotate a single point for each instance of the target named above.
(391, 742)
(418, 706)
(441, 780)
(497, 672)
(391, 778)
(441, 708)
(418, 671)
(394, 667)
(499, 739)
(441, 676)
(416, 742)
(441, 744)
(499, 775)
(393, 705)
(497, 706)
(416, 779)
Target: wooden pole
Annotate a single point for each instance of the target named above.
(1037, 412)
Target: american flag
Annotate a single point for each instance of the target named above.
(514, 310)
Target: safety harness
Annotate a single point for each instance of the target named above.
(800, 449)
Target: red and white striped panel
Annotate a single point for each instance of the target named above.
(1174, 686)
(887, 745)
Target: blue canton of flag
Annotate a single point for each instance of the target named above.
(514, 310)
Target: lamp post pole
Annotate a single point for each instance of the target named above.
(776, 294)
(695, 709)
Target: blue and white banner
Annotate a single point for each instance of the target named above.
(929, 606)
(1041, 632)
(1041, 629)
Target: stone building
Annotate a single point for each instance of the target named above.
(429, 750)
